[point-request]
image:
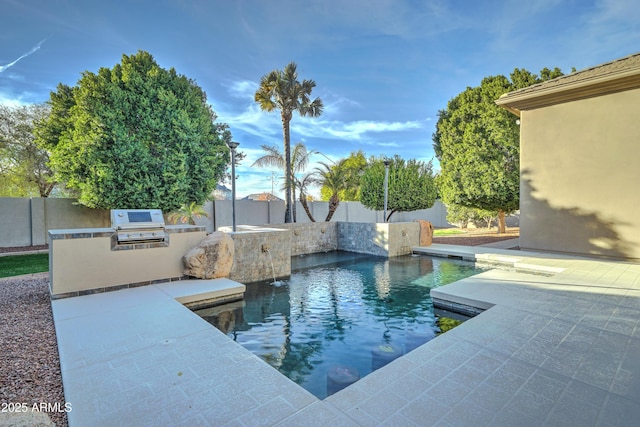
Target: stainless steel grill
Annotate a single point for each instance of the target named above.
(138, 225)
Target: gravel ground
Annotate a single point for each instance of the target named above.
(29, 363)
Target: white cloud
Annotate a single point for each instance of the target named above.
(351, 131)
(609, 28)
(335, 104)
(268, 126)
(370, 126)
(10, 101)
(251, 155)
(11, 64)
(388, 144)
(242, 88)
(403, 19)
(615, 11)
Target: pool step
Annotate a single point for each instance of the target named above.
(195, 293)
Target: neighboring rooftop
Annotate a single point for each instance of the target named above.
(264, 197)
(221, 193)
(615, 76)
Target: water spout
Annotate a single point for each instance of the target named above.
(265, 248)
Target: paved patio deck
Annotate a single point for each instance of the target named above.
(557, 350)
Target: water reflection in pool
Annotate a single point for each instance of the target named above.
(338, 314)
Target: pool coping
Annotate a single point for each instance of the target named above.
(138, 356)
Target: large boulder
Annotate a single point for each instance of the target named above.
(211, 258)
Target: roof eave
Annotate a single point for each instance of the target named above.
(516, 102)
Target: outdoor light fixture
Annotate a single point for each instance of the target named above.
(386, 162)
(324, 155)
(232, 146)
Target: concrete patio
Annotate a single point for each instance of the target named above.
(560, 347)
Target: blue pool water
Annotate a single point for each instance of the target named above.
(339, 316)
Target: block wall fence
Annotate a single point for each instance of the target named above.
(26, 222)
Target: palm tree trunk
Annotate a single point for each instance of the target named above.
(293, 202)
(334, 201)
(305, 205)
(286, 118)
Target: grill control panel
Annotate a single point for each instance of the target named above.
(138, 225)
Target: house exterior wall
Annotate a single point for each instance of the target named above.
(580, 176)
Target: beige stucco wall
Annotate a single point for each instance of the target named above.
(580, 176)
(85, 263)
(401, 237)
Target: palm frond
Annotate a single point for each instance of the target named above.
(273, 158)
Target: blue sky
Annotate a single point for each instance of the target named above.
(383, 68)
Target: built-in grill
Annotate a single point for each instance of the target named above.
(138, 225)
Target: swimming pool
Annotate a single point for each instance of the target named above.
(339, 316)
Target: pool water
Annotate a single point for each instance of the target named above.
(339, 316)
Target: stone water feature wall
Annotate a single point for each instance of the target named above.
(257, 247)
(383, 239)
(312, 237)
(256, 250)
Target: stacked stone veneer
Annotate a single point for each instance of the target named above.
(384, 239)
(309, 238)
(252, 262)
(256, 250)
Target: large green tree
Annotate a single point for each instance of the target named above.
(462, 215)
(135, 136)
(23, 164)
(281, 90)
(477, 144)
(411, 185)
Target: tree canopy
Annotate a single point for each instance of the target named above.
(462, 215)
(478, 145)
(135, 136)
(23, 164)
(411, 185)
(281, 90)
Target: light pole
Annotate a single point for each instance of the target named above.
(324, 155)
(386, 162)
(232, 146)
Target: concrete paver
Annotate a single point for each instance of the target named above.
(559, 347)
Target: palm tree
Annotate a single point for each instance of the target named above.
(299, 162)
(303, 184)
(188, 213)
(281, 90)
(334, 178)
